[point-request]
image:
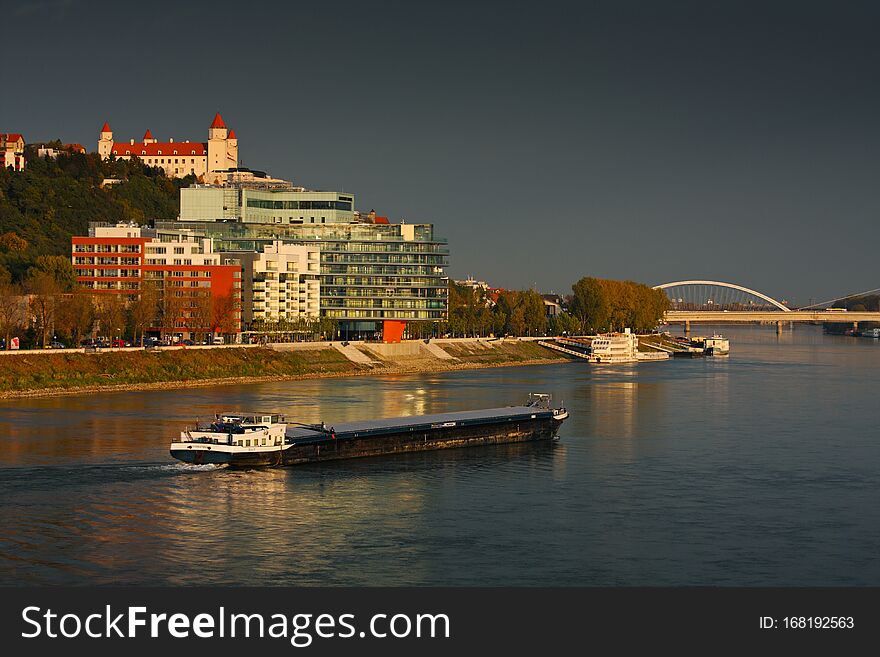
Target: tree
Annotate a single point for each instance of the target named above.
(43, 290)
(534, 312)
(564, 324)
(174, 308)
(59, 267)
(224, 313)
(608, 305)
(110, 315)
(12, 242)
(13, 308)
(590, 306)
(75, 315)
(144, 310)
(201, 313)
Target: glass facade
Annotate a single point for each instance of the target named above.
(368, 272)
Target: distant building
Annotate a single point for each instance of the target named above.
(12, 150)
(477, 285)
(44, 150)
(205, 160)
(553, 304)
(120, 259)
(493, 293)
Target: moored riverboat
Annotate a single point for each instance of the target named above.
(252, 439)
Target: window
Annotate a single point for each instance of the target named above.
(178, 249)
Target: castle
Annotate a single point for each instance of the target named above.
(179, 158)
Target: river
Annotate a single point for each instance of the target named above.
(757, 469)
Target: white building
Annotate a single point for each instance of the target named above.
(280, 284)
(12, 150)
(286, 283)
(179, 158)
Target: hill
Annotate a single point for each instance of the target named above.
(53, 199)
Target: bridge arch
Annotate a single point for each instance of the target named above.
(747, 292)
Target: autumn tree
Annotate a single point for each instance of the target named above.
(43, 291)
(110, 314)
(12, 243)
(224, 314)
(13, 308)
(75, 315)
(144, 310)
(174, 308)
(201, 314)
(608, 305)
(58, 267)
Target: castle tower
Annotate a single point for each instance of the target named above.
(148, 138)
(105, 143)
(232, 149)
(217, 144)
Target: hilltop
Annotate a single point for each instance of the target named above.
(53, 199)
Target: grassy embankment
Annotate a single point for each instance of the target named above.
(33, 372)
(56, 373)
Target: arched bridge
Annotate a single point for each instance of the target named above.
(715, 301)
(716, 295)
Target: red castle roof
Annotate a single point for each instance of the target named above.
(148, 135)
(106, 127)
(159, 148)
(232, 134)
(218, 121)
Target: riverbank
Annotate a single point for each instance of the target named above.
(49, 374)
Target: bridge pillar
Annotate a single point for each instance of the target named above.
(778, 328)
(855, 326)
(687, 327)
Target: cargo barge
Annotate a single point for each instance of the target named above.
(253, 440)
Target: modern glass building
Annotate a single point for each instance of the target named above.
(265, 203)
(374, 277)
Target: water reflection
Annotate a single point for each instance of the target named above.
(697, 472)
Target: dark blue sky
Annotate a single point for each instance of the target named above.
(647, 140)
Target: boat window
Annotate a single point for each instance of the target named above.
(247, 443)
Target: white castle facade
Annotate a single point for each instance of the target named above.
(205, 160)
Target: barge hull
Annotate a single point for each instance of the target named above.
(421, 441)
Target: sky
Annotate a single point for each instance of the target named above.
(651, 141)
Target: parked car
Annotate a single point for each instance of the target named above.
(218, 340)
(184, 343)
(57, 345)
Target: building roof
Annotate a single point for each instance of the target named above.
(106, 127)
(76, 148)
(232, 134)
(218, 121)
(11, 136)
(159, 148)
(148, 135)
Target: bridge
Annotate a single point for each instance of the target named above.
(713, 302)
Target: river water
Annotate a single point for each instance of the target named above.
(757, 469)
